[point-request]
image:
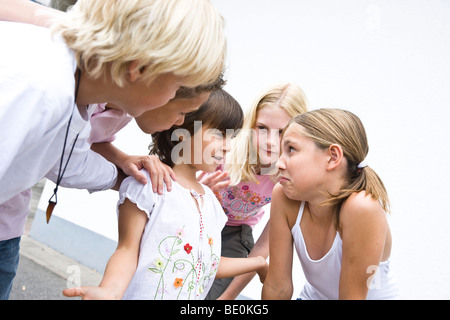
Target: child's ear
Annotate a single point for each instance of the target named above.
(335, 154)
(134, 72)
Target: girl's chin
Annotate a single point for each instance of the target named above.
(289, 193)
(210, 168)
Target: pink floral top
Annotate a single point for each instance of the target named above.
(244, 202)
(180, 247)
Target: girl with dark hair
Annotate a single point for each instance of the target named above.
(169, 245)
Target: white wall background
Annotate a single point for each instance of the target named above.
(385, 60)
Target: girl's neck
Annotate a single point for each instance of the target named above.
(186, 177)
(322, 215)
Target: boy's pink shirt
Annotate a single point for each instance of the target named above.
(106, 123)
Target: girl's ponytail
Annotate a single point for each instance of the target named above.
(365, 179)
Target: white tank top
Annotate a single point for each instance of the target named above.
(322, 276)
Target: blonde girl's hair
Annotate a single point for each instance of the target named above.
(335, 126)
(184, 37)
(242, 161)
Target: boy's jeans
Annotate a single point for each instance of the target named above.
(9, 260)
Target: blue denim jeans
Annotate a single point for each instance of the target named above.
(9, 260)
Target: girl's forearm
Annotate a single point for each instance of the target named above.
(238, 284)
(273, 290)
(231, 267)
(119, 272)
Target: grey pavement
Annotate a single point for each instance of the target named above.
(35, 282)
(44, 273)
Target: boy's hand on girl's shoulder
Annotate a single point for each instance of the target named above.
(160, 173)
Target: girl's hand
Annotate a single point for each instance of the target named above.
(215, 181)
(160, 173)
(262, 271)
(89, 293)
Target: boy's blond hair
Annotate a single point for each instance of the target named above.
(184, 37)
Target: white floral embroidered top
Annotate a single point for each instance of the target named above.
(180, 248)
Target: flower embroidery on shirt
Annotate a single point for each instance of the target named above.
(159, 264)
(180, 233)
(187, 248)
(178, 258)
(178, 282)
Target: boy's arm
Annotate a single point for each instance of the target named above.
(28, 12)
(160, 173)
(278, 284)
(122, 264)
(86, 169)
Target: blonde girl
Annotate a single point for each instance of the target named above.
(332, 206)
(250, 167)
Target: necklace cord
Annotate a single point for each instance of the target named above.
(51, 203)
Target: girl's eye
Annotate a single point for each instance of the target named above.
(217, 133)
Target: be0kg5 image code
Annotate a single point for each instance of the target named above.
(242, 309)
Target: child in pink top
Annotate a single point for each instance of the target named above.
(244, 202)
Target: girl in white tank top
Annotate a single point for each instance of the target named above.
(326, 286)
(343, 241)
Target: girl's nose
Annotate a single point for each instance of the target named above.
(227, 144)
(273, 139)
(281, 164)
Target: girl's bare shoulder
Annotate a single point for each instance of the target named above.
(361, 207)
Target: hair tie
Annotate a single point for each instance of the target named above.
(362, 164)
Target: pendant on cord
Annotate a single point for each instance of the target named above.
(50, 207)
(51, 204)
